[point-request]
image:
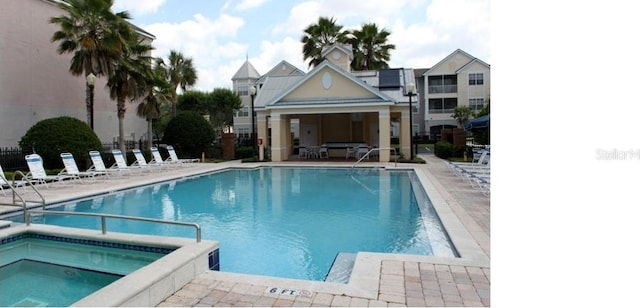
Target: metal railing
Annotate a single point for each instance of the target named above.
(103, 220)
(24, 182)
(452, 88)
(395, 154)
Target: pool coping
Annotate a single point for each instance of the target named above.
(366, 274)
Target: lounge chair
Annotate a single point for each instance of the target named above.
(141, 162)
(99, 166)
(37, 174)
(71, 169)
(121, 164)
(157, 159)
(174, 157)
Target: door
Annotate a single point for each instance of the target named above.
(308, 134)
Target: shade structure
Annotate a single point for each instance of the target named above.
(481, 122)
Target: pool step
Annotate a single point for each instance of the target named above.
(341, 268)
(5, 224)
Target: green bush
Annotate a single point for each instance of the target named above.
(244, 152)
(443, 149)
(189, 133)
(51, 137)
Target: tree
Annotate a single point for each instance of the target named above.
(224, 104)
(158, 92)
(180, 73)
(129, 74)
(370, 48)
(317, 36)
(189, 132)
(87, 30)
(462, 114)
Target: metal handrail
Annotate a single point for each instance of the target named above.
(395, 154)
(103, 220)
(15, 194)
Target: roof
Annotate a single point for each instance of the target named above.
(274, 86)
(283, 68)
(246, 71)
(277, 99)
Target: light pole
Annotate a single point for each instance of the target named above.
(91, 81)
(252, 93)
(411, 87)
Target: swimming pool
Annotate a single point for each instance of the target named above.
(285, 222)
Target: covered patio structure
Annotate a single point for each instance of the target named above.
(335, 108)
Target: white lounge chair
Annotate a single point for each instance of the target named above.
(141, 162)
(71, 169)
(7, 184)
(157, 159)
(174, 157)
(38, 175)
(99, 166)
(121, 164)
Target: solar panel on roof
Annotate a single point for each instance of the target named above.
(389, 78)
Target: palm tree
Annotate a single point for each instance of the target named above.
(370, 48)
(129, 75)
(320, 35)
(180, 73)
(158, 92)
(88, 31)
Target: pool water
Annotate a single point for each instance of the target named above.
(285, 222)
(28, 283)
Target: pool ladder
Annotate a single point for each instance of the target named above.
(395, 155)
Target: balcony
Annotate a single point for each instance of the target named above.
(451, 88)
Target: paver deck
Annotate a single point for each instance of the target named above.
(380, 279)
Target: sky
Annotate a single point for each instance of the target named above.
(220, 35)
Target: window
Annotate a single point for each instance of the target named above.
(442, 105)
(243, 132)
(242, 90)
(476, 103)
(415, 130)
(243, 112)
(476, 79)
(415, 108)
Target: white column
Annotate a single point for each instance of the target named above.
(384, 126)
(405, 134)
(276, 138)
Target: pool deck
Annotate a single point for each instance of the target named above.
(377, 279)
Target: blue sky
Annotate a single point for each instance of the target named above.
(219, 35)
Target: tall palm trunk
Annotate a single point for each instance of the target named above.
(149, 133)
(121, 111)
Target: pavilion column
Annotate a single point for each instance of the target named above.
(384, 137)
(278, 139)
(405, 134)
(262, 133)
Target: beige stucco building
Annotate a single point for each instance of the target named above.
(35, 82)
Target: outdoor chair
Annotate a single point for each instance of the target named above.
(174, 157)
(37, 174)
(71, 169)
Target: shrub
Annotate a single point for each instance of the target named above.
(51, 137)
(244, 152)
(189, 133)
(443, 149)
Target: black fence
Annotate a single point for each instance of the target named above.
(12, 159)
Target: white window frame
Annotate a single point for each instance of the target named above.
(476, 79)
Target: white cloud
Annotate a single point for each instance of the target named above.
(207, 42)
(249, 4)
(138, 7)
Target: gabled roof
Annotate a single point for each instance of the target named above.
(382, 98)
(342, 47)
(475, 60)
(246, 71)
(283, 68)
(447, 58)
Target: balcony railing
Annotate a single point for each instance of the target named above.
(434, 111)
(451, 88)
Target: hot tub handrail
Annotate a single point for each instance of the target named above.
(395, 154)
(103, 221)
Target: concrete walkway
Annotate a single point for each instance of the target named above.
(399, 281)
